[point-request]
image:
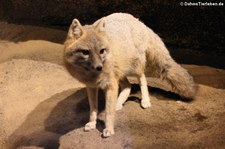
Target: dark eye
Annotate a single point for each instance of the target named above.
(85, 52)
(102, 51)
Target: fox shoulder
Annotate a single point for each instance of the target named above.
(125, 30)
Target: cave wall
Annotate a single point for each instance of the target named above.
(196, 28)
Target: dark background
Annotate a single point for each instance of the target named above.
(193, 35)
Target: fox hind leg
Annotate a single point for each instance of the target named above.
(93, 102)
(145, 102)
(124, 94)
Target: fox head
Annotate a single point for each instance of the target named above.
(86, 48)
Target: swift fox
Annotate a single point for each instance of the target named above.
(103, 54)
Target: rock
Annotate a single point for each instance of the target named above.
(25, 84)
(84, 140)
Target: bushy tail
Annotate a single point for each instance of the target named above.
(181, 81)
(161, 64)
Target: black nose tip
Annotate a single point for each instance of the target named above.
(99, 68)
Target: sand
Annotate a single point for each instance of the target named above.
(42, 106)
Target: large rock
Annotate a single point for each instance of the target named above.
(26, 85)
(31, 42)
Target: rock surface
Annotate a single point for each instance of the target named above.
(42, 106)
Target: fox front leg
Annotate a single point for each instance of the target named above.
(110, 107)
(93, 103)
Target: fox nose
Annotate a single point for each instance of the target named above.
(99, 68)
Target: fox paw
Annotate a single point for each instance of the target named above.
(108, 132)
(145, 104)
(89, 126)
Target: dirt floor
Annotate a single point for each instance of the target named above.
(42, 106)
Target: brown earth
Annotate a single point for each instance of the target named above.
(42, 106)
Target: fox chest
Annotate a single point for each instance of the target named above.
(90, 80)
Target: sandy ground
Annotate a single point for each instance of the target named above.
(42, 106)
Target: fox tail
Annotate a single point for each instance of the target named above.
(181, 81)
(163, 66)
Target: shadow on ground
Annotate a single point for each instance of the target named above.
(51, 119)
(59, 115)
(57, 122)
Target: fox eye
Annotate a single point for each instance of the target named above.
(84, 51)
(102, 51)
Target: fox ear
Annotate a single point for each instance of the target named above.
(100, 25)
(75, 30)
